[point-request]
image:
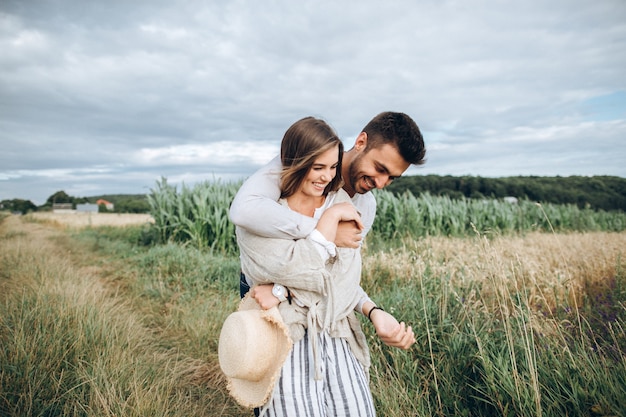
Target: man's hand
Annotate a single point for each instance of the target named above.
(348, 235)
(391, 332)
(263, 295)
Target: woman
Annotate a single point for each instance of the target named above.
(326, 372)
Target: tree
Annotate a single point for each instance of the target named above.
(59, 197)
(599, 192)
(18, 205)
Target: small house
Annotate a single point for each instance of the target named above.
(102, 202)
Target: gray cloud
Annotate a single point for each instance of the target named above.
(108, 97)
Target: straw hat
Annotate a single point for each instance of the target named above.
(253, 346)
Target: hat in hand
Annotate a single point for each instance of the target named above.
(253, 346)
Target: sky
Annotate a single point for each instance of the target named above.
(108, 97)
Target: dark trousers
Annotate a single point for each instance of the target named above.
(243, 285)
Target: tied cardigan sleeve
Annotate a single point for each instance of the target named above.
(296, 264)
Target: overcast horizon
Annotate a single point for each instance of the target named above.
(108, 97)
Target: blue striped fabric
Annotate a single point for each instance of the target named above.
(342, 392)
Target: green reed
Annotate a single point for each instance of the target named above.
(198, 216)
(195, 215)
(428, 215)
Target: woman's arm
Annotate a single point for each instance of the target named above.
(266, 265)
(330, 220)
(387, 327)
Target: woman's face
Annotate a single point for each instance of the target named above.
(322, 172)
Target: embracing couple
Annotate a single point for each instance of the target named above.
(295, 347)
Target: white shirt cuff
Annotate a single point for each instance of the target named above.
(325, 248)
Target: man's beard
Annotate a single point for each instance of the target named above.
(356, 179)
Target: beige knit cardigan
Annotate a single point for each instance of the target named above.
(328, 291)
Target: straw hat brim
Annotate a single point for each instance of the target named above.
(266, 328)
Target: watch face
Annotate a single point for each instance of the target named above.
(278, 291)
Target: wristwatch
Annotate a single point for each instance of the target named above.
(279, 292)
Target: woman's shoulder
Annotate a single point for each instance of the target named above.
(333, 197)
(339, 196)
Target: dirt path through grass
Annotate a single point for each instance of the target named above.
(75, 344)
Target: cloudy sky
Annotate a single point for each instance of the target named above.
(106, 97)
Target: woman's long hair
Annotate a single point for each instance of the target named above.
(303, 143)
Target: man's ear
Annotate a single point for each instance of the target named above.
(361, 141)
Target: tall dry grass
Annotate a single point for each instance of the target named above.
(523, 325)
(556, 268)
(519, 325)
(77, 220)
(71, 346)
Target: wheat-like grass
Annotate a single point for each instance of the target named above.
(499, 311)
(80, 220)
(71, 346)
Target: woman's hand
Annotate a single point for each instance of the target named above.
(263, 295)
(344, 212)
(390, 331)
(333, 216)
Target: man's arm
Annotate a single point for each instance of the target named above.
(293, 263)
(256, 208)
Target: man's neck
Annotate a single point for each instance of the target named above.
(345, 170)
(348, 189)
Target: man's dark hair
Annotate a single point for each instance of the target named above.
(399, 130)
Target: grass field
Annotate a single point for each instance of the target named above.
(93, 323)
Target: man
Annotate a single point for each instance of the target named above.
(383, 151)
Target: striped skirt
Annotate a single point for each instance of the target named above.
(342, 391)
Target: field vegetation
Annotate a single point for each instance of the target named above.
(198, 216)
(519, 310)
(598, 192)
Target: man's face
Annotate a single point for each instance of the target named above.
(376, 168)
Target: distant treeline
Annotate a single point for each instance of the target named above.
(123, 203)
(597, 192)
